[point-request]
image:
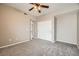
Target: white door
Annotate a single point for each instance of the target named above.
(33, 29)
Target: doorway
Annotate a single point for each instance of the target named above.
(44, 29)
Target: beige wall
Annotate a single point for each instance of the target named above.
(14, 26)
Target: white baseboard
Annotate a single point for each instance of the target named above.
(12, 44)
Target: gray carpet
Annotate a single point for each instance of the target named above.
(38, 47)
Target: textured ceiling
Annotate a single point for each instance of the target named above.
(53, 7)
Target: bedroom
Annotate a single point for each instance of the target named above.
(35, 33)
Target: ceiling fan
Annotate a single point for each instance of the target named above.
(38, 7)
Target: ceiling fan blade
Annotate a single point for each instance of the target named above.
(37, 4)
(39, 11)
(31, 9)
(44, 6)
(31, 3)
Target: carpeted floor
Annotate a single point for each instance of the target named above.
(38, 47)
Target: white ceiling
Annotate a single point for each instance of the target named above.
(53, 7)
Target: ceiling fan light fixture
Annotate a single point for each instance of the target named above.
(35, 7)
(39, 8)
